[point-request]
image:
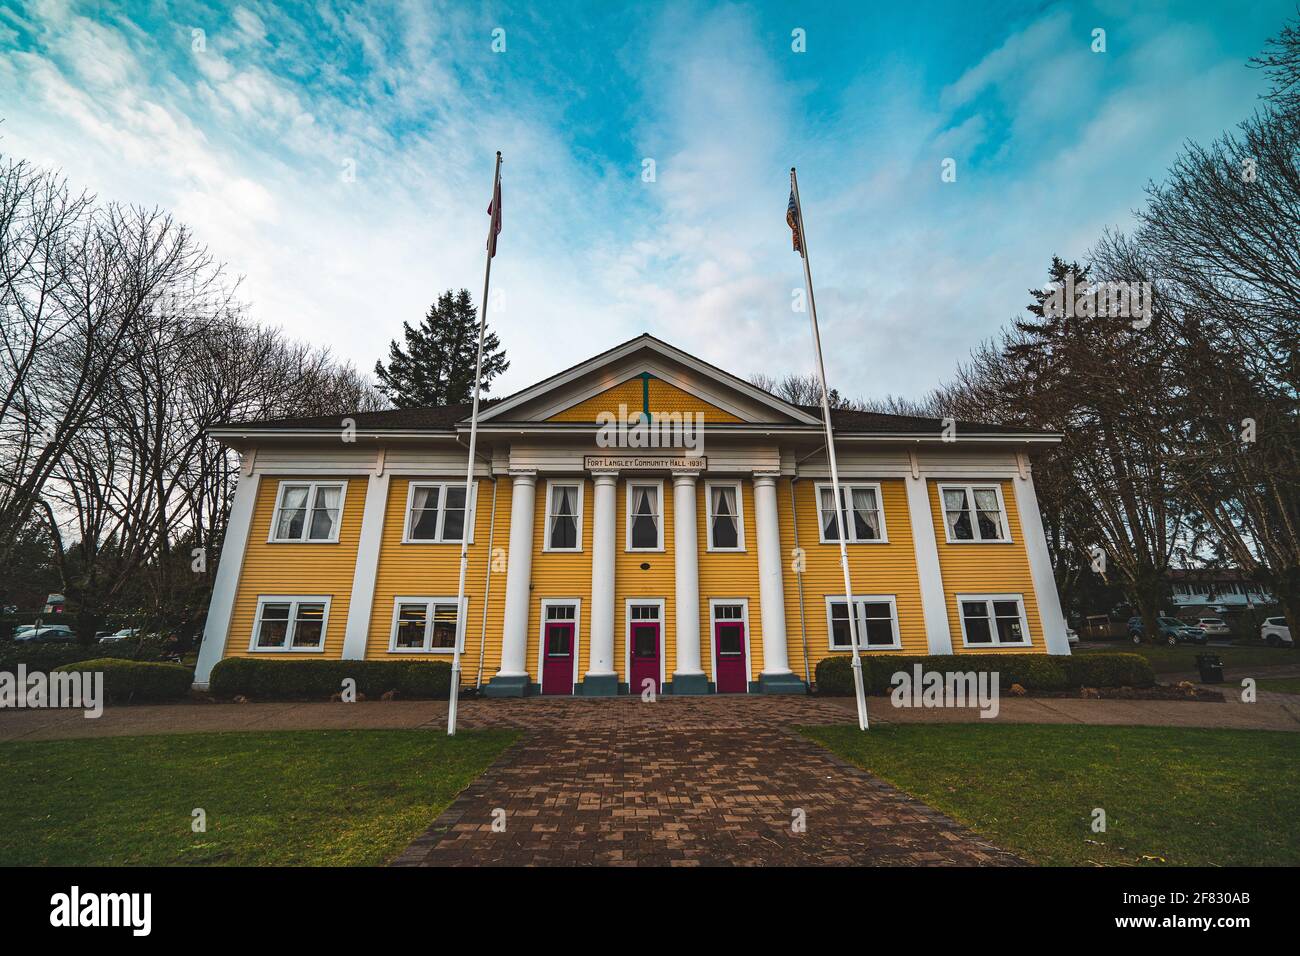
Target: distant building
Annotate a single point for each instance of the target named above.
(1228, 588)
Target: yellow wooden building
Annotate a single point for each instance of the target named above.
(641, 519)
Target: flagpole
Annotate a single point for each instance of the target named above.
(461, 616)
(840, 510)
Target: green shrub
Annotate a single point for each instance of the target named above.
(320, 680)
(1108, 670)
(1034, 672)
(42, 656)
(127, 682)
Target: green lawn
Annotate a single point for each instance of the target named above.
(1177, 796)
(1166, 660)
(1283, 685)
(300, 798)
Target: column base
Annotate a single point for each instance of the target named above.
(600, 685)
(780, 684)
(508, 686)
(690, 685)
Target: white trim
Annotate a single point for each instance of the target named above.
(631, 483)
(969, 488)
(713, 639)
(581, 485)
(1055, 635)
(846, 488)
(934, 607)
(293, 600)
(429, 602)
(471, 510)
(357, 632)
(988, 600)
(627, 641)
(737, 484)
(576, 604)
(312, 487)
(862, 634)
(226, 584)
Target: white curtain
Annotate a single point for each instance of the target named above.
(954, 506)
(830, 530)
(865, 507)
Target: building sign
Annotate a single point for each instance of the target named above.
(646, 462)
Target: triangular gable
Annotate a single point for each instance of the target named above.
(678, 382)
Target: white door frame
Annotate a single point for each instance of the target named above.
(541, 638)
(627, 641)
(713, 637)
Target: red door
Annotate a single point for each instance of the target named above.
(645, 656)
(732, 675)
(557, 658)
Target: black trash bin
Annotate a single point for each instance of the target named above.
(1211, 668)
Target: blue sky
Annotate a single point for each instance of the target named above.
(250, 140)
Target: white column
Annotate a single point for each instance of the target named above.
(226, 582)
(688, 678)
(601, 680)
(1040, 563)
(512, 679)
(776, 676)
(363, 578)
(934, 605)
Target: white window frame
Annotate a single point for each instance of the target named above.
(576, 603)
(551, 484)
(642, 483)
(988, 600)
(293, 600)
(471, 509)
(969, 488)
(713, 638)
(846, 490)
(429, 603)
(312, 486)
(739, 516)
(889, 599)
(661, 604)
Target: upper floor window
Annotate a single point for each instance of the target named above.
(993, 620)
(435, 512)
(877, 622)
(290, 623)
(308, 511)
(974, 513)
(563, 516)
(724, 520)
(860, 512)
(645, 527)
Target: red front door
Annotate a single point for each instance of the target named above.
(732, 672)
(557, 658)
(645, 656)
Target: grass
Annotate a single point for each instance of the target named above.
(1283, 685)
(1168, 660)
(297, 798)
(1177, 796)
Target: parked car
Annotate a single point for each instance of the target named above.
(1213, 626)
(127, 633)
(1276, 632)
(1072, 636)
(48, 633)
(1172, 630)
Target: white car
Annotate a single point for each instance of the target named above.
(126, 633)
(1072, 636)
(1276, 632)
(1214, 626)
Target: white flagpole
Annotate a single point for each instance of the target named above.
(840, 509)
(461, 622)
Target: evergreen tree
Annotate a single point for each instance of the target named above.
(436, 364)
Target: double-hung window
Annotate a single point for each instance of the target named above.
(725, 521)
(308, 511)
(290, 623)
(877, 621)
(436, 512)
(424, 625)
(860, 512)
(645, 526)
(993, 620)
(974, 513)
(563, 516)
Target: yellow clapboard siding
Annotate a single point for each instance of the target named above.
(986, 569)
(664, 399)
(886, 568)
(306, 568)
(559, 575)
(728, 575)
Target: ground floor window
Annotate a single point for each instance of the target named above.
(993, 620)
(424, 625)
(877, 620)
(290, 623)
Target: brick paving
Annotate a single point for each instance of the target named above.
(704, 782)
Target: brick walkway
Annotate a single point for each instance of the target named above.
(687, 783)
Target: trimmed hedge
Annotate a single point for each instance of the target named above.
(320, 680)
(127, 682)
(1033, 672)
